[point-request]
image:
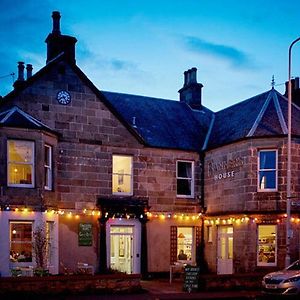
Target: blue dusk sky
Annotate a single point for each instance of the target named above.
(143, 47)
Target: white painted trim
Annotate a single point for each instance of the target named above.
(209, 132)
(280, 115)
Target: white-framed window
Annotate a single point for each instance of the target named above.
(185, 244)
(20, 163)
(267, 245)
(185, 178)
(122, 177)
(48, 167)
(267, 170)
(20, 241)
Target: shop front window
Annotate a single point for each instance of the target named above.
(267, 245)
(185, 179)
(267, 173)
(185, 243)
(122, 175)
(20, 241)
(20, 163)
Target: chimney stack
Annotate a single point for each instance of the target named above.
(28, 71)
(191, 92)
(295, 90)
(21, 68)
(58, 43)
(56, 22)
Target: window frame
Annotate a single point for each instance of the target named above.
(261, 263)
(115, 173)
(261, 170)
(21, 242)
(31, 163)
(192, 244)
(48, 184)
(192, 179)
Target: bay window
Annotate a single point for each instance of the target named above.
(48, 167)
(20, 163)
(185, 179)
(122, 182)
(267, 170)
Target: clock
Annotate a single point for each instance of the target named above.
(63, 97)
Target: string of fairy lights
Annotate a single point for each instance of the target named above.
(208, 220)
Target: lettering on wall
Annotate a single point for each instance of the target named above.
(226, 168)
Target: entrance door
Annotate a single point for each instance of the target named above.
(121, 248)
(225, 250)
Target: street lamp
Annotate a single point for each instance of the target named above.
(288, 185)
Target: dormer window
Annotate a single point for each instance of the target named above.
(20, 163)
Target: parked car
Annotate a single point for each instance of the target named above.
(285, 282)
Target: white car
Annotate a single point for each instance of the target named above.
(285, 282)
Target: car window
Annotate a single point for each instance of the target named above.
(294, 266)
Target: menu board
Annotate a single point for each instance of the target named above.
(85, 234)
(191, 278)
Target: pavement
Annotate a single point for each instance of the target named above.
(162, 289)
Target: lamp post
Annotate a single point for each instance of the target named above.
(288, 185)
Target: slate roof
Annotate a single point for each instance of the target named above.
(264, 115)
(16, 117)
(163, 123)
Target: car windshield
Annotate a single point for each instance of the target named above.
(294, 266)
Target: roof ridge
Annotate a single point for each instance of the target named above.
(209, 131)
(260, 115)
(280, 114)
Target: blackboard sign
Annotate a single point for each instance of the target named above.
(85, 234)
(191, 278)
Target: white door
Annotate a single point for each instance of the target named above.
(121, 248)
(225, 250)
(123, 241)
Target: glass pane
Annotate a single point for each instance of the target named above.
(19, 174)
(121, 229)
(21, 242)
(184, 187)
(223, 248)
(47, 155)
(184, 243)
(20, 151)
(266, 244)
(267, 180)
(122, 164)
(184, 169)
(230, 247)
(267, 159)
(121, 183)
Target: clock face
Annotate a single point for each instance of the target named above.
(63, 97)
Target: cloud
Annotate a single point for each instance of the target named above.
(237, 58)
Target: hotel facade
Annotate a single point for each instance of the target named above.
(136, 184)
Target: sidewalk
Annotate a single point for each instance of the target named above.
(162, 289)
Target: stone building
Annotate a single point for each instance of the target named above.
(119, 181)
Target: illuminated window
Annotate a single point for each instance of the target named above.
(267, 172)
(185, 243)
(267, 245)
(48, 167)
(209, 234)
(20, 163)
(122, 175)
(185, 179)
(20, 241)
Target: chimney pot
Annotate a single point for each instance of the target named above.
(56, 22)
(193, 75)
(20, 71)
(29, 70)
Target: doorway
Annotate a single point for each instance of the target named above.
(123, 245)
(225, 250)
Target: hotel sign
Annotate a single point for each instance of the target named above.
(226, 168)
